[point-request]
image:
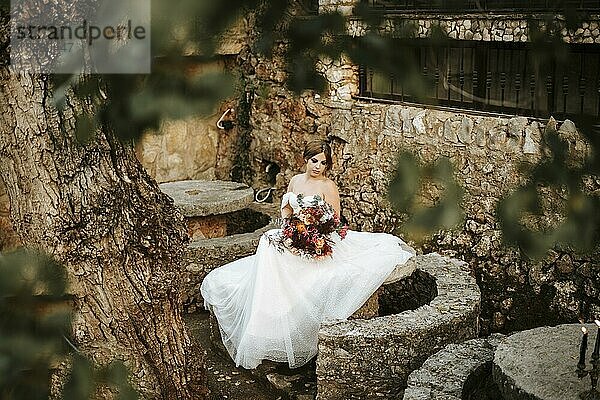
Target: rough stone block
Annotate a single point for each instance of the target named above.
(446, 373)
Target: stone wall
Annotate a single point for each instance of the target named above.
(182, 149)
(280, 123)
(343, 6)
(188, 148)
(486, 27)
(486, 152)
(489, 26)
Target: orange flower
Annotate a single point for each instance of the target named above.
(301, 227)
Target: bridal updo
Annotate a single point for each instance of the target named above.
(315, 147)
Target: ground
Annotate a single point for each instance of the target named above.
(270, 381)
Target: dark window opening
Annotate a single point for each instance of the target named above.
(499, 77)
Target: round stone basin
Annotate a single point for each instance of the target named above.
(210, 207)
(372, 358)
(541, 363)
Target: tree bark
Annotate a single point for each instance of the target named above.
(95, 209)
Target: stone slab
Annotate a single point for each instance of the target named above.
(200, 198)
(445, 373)
(540, 363)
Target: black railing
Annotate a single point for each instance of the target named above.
(473, 6)
(499, 77)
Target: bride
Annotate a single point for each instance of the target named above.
(270, 305)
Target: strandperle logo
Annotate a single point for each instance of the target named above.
(83, 32)
(88, 36)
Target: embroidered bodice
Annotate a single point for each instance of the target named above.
(291, 198)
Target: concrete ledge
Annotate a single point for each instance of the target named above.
(364, 359)
(446, 373)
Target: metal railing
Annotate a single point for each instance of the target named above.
(498, 77)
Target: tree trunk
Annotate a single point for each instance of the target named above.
(95, 209)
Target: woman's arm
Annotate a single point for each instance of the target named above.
(332, 196)
(287, 211)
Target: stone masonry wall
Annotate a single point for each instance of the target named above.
(477, 26)
(280, 122)
(486, 152)
(486, 27)
(189, 148)
(182, 149)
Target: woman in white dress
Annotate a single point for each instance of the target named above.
(270, 305)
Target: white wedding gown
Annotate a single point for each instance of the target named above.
(270, 305)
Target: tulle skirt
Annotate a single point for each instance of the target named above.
(270, 305)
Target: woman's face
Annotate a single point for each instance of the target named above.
(316, 165)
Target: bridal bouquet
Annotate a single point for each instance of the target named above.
(307, 233)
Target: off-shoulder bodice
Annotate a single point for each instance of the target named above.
(291, 198)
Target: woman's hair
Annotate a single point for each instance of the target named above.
(315, 147)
